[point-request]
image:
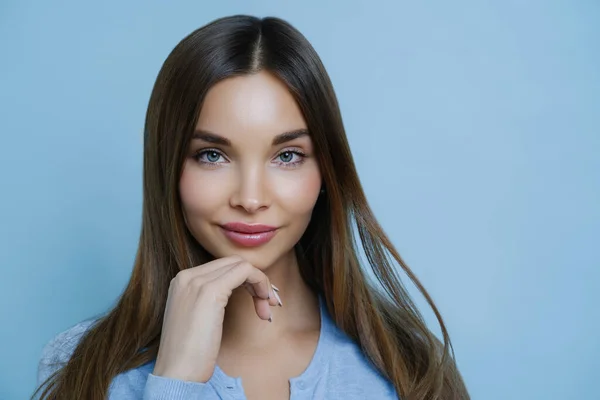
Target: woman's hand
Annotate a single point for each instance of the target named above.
(193, 320)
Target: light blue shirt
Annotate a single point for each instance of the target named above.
(338, 370)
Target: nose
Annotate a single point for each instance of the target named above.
(250, 193)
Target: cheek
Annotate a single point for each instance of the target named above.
(299, 195)
(200, 193)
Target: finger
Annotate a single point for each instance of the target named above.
(276, 294)
(261, 285)
(261, 306)
(250, 289)
(243, 274)
(215, 265)
(215, 274)
(246, 273)
(187, 275)
(253, 288)
(272, 299)
(228, 279)
(263, 309)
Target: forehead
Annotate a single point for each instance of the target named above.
(256, 106)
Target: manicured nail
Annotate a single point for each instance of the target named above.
(271, 318)
(278, 299)
(275, 288)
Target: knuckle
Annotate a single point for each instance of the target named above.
(180, 280)
(181, 277)
(175, 282)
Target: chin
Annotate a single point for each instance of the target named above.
(260, 257)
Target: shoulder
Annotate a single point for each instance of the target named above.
(58, 350)
(352, 373)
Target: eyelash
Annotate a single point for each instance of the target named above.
(295, 164)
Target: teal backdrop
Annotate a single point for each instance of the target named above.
(475, 126)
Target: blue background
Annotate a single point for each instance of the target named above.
(475, 126)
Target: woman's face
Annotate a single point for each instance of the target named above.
(250, 163)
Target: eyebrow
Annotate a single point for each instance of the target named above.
(284, 137)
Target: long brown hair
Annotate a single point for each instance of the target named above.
(382, 318)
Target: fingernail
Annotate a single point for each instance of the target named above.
(275, 288)
(278, 299)
(271, 318)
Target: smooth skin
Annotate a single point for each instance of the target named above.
(218, 313)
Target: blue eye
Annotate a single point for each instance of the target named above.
(286, 157)
(212, 156)
(290, 158)
(209, 156)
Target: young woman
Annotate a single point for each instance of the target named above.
(247, 281)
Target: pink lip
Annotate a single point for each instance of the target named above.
(248, 235)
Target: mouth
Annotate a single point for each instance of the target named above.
(248, 235)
